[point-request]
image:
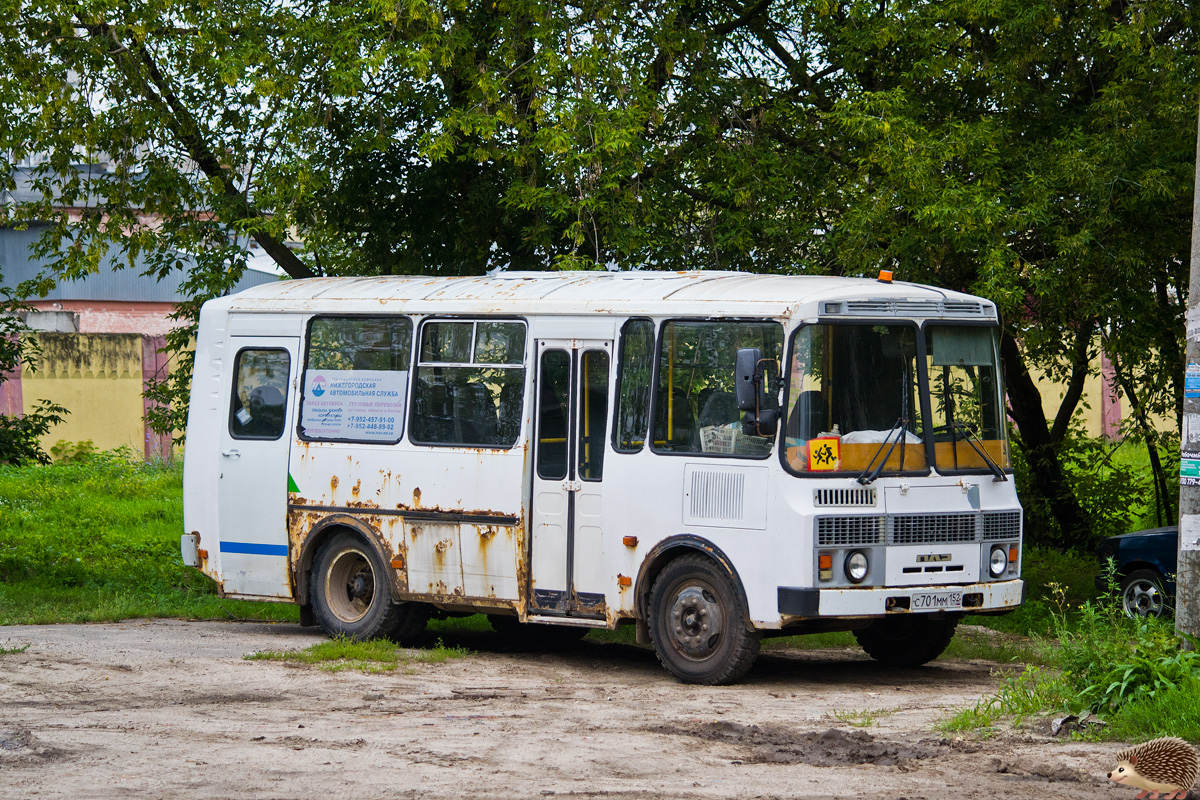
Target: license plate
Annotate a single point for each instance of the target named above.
(931, 601)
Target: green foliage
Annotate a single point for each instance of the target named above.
(20, 437)
(97, 539)
(1174, 711)
(10, 651)
(62, 450)
(378, 655)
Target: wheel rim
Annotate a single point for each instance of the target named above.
(1142, 599)
(697, 621)
(350, 586)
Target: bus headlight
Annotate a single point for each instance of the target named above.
(856, 566)
(998, 562)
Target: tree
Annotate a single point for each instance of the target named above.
(1036, 153)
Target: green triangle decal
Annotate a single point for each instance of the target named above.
(292, 487)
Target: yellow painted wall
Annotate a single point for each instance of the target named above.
(98, 378)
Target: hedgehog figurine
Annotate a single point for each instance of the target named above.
(1165, 766)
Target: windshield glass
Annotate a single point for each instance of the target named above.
(852, 393)
(965, 399)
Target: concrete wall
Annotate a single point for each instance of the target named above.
(99, 378)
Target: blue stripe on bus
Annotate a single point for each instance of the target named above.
(250, 548)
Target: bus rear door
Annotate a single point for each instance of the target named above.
(253, 482)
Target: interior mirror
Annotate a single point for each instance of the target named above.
(747, 382)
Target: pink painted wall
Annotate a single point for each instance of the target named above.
(113, 316)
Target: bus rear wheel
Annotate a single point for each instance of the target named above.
(698, 623)
(352, 593)
(906, 641)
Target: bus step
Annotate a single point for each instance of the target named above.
(578, 622)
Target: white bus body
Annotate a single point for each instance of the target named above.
(569, 449)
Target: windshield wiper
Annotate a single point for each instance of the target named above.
(868, 475)
(972, 438)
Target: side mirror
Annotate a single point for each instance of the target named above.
(747, 381)
(750, 381)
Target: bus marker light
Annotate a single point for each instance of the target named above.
(885, 276)
(1012, 554)
(397, 563)
(825, 566)
(624, 580)
(630, 541)
(202, 553)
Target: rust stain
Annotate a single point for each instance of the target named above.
(357, 487)
(333, 482)
(417, 497)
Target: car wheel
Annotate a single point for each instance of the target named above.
(1142, 594)
(698, 623)
(352, 593)
(906, 641)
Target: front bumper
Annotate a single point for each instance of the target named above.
(810, 603)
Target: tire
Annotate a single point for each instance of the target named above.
(1142, 594)
(533, 635)
(352, 595)
(906, 641)
(698, 623)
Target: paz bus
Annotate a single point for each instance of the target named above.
(712, 457)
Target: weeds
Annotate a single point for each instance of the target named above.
(12, 651)
(377, 655)
(1134, 674)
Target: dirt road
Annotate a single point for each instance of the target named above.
(168, 709)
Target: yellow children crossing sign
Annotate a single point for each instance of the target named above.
(824, 453)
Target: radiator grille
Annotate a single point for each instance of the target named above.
(932, 528)
(1001, 525)
(859, 496)
(849, 531)
(718, 495)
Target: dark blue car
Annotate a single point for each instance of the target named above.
(1145, 569)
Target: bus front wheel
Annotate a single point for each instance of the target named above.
(698, 623)
(352, 593)
(906, 641)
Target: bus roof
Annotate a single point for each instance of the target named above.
(629, 292)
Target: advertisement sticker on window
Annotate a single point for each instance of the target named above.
(364, 405)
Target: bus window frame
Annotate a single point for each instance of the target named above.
(416, 365)
(237, 361)
(304, 363)
(660, 337)
(928, 399)
(620, 377)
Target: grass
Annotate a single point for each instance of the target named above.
(12, 651)
(378, 655)
(97, 540)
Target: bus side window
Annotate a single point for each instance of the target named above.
(634, 367)
(470, 383)
(695, 409)
(593, 416)
(356, 379)
(259, 403)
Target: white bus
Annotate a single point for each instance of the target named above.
(713, 457)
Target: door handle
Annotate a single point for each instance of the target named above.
(572, 486)
(231, 454)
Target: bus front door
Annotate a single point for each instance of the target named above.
(252, 488)
(567, 553)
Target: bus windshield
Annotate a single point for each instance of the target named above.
(968, 422)
(854, 399)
